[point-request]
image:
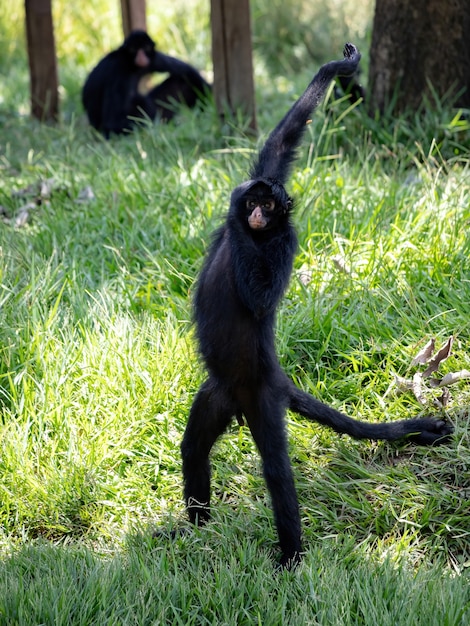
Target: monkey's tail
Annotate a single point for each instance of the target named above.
(423, 431)
(279, 151)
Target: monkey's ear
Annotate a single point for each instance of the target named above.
(287, 206)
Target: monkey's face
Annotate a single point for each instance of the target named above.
(140, 48)
(260, 205)
(260, 210)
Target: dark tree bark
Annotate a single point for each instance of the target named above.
(232, 57)
(415, 44)
(42, 60)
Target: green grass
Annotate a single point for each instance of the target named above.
(206, 583)
(98, 364)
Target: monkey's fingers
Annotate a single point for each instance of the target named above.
(350, 52)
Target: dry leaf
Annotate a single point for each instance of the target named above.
(46, 187)
(305, 274)
(340, 262)
(40, 189)
(417, 389)
(440, 356)
(85, 195)
(403, 384)
(22, 216)
(418, 385)
(425, 354)
(454, 377)
(443, 400)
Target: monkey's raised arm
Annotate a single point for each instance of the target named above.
(278, 153)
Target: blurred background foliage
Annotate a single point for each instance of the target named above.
(289, 37)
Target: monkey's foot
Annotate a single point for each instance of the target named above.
(290, 562)
(434, 432)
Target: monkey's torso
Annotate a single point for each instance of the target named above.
(236, 300)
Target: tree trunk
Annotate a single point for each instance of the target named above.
(42, 60)
(134, 15)
(232, 57)
(419, 48)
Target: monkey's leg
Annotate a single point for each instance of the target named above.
(176, 90)
(210, 415)
(266, 423)
(142, 107)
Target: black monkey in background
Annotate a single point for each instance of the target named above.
(244, 276)
(111, 92)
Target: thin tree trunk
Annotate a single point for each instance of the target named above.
(42, 60)
(232, 57)
(134, 15)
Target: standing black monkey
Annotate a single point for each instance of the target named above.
(111, 92)
(245, 274)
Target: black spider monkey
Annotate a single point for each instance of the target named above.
(244, 276)
(111, 92)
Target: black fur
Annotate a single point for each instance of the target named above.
(111, 92)
(244, 276)
(350, 87)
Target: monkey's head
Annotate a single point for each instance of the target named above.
(260, 204)
(140, 48)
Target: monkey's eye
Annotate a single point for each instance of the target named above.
(251, 204)
(268, 205)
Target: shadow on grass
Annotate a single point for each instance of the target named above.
(204, 578)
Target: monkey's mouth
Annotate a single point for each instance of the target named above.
(256, 224)
(141, 59)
